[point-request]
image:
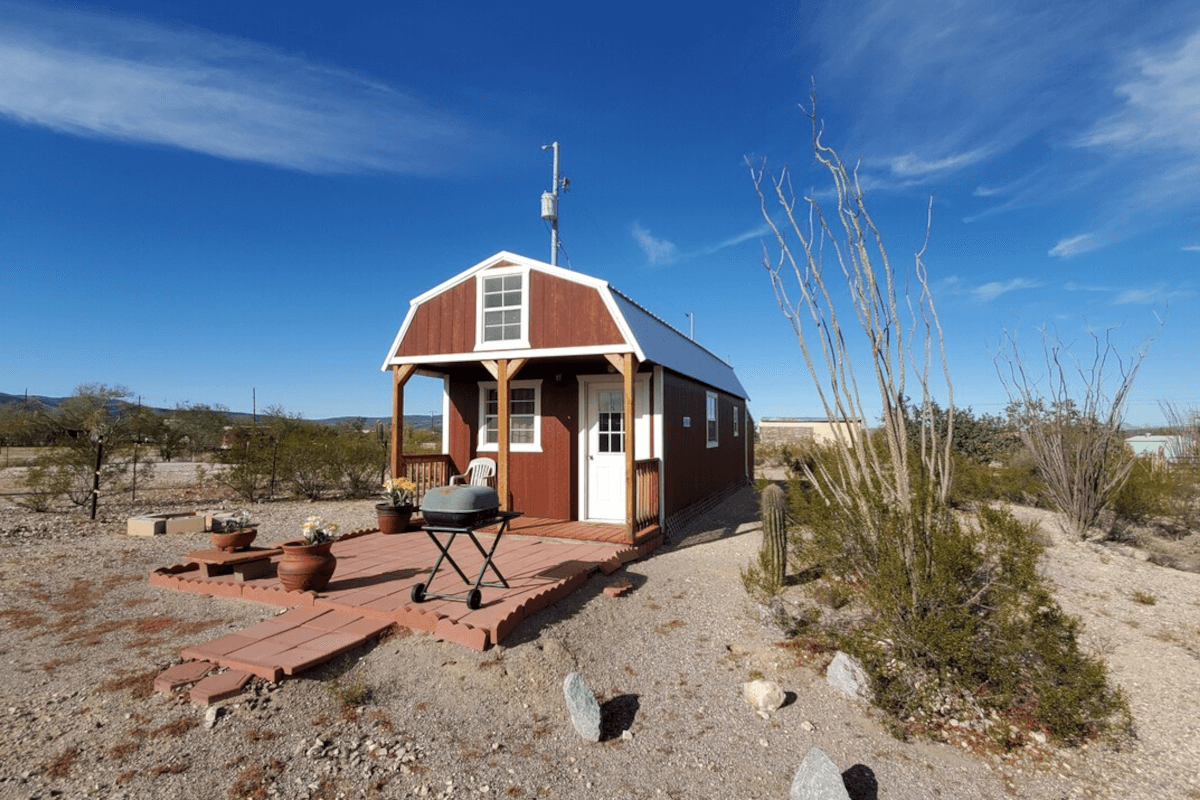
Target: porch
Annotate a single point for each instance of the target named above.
(429, 471)
(542, 560)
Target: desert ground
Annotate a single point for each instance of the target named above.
(83, 636)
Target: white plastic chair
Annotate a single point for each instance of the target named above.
(479, 473)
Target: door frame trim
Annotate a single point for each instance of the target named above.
(641, 388)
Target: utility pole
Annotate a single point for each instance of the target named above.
(550, 204)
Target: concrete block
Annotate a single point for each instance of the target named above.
(184, 523)
(146, 526)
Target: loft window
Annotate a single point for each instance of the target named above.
(711, 417)
(503, 309)
(737, 413)
(524, 416)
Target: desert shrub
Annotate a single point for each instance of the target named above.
(250, 458)
(44, 484)
(359, 460)
(1016, 479)
(980, 627)
(1146, 494)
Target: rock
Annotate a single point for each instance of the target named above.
(763, 696)
(585, 711)
(848, 675)
(818, 779)
(210, 716)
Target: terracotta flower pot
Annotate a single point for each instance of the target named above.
(306, 567)
(393, 519)
(231, 541)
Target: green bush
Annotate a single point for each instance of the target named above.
(973, 623)
(1146, 494)
(983, 625)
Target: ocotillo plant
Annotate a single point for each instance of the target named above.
(774, 560)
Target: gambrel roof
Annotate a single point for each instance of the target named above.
(594, 319)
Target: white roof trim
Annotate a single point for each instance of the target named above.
(495, 355)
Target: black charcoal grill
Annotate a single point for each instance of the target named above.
(453, 510)
(461, 506)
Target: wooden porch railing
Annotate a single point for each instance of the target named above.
(427, 471)
(645, 506)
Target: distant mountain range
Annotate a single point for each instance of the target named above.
(419, 421)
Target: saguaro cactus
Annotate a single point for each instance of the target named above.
(774, 560)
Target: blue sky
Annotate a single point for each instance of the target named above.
(206, 200)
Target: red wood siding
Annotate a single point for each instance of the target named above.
(566, 314)
(692, 469)
(541, 484)
(443, 324)
(561, 314)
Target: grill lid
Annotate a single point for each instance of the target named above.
(459, 505)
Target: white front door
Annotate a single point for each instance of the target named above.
(606, 453)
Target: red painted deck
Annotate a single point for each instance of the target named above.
(543, 561)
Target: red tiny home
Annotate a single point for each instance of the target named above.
(575, 359)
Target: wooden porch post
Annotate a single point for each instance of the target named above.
(502, 432)
(503, 371)
(629, 367)
(400, 375)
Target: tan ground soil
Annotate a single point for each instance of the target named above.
(82, 636)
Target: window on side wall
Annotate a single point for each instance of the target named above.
(502, 310)
(711, 416)
(524, 416)
(737, 414)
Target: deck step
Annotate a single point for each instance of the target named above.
(219, 687)
(181, 675)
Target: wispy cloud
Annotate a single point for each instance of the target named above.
(734, 241)
(108, 77)
(663, 252)
(914, 166)
(1158, 295)
(1192, 248)
(659, 252)
(1160, 105)
(1150, 295)
(1076, 245)
(945, 91)
(990, 291)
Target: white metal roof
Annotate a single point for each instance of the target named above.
(648, 337)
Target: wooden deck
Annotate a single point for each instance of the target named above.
(574, 531)
(542, 560)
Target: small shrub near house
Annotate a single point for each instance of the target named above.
(975, 635)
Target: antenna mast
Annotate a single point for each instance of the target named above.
(550, 204)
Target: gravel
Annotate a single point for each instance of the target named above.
(83, 635)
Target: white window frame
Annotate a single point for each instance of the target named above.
(483, 445)
(712, 426)
(737, 413)
(501, 344)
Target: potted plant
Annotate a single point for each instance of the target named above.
(307, 563)
(233, 533)
(395, 514)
